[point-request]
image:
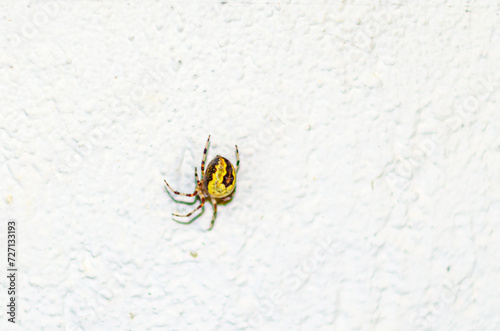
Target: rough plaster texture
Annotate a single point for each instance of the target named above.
(368, 195)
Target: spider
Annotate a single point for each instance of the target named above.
(217, 184)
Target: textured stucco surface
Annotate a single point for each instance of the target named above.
(368, 195)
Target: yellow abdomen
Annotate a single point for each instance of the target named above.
(220, 177)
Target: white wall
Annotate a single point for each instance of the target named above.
(368, 195)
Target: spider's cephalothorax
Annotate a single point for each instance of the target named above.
(217, 183)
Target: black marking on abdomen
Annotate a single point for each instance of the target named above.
(228, 177)
(211, 169)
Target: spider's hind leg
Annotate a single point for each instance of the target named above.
(214, 204)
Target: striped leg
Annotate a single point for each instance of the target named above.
(214, 203)
(204, 158)
(196, 175)
(237, 158)
(178, 193)
(191, 213)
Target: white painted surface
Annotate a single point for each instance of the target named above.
(368, 194)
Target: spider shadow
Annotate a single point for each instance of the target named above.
(192, 220)
(219, 202)
(196, 199)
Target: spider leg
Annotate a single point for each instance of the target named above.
(214, 204)
(204, 158)
(191, 213)
(178, 193)
(237, 158)
(196, 174)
